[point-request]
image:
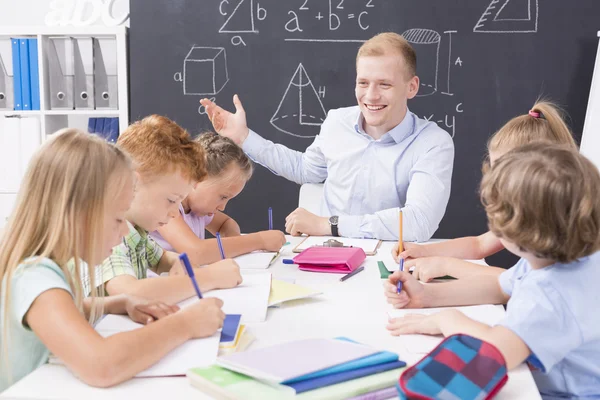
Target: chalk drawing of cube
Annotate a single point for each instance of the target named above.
(205, 71)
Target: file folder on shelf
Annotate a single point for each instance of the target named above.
(6, 75)
(34, 73)
(84, 73)
(105, 73)
(60, 54)
(16, 62)
(25, 82)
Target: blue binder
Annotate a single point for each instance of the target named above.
(114, 130)
(92, 125)
(25, 85)
(106, 131)
(100, 126)
(16, 58)
(34, 73)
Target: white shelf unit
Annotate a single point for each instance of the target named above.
(52, 120)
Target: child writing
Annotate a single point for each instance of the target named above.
(542, 203)
(544, 122)
(167, 163)
(68, 216)
(228, 170)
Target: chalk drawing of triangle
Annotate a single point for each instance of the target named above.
(300, 106)
(509, 16)
(241, 19)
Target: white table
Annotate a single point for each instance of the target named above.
(355, 308)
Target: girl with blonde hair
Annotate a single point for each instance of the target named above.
(544, 122)
(228, 170)
(68, 216)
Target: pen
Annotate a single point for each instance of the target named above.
(218, 235)
(288, 261)
(270, 218)
(190, 271)
(400, 250)
(351, 274)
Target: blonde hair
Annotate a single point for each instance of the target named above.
(544, 198)
(544, 122)
(390, 42)
(220, 152)
(59, 212)
(158, 145)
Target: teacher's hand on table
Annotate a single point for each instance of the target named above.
(301, 221)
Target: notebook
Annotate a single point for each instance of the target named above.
(221, 383)
(284, 362)
(369, 246)
(243, 339)
(256, 260)
(282, 291)
(193, 353)
(229, 332)
(250, 299)
(422, 344)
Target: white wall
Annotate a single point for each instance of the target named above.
(34, 12)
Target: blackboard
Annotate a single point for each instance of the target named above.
(480, 63)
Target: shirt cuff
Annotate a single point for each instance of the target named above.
(254, 143)
(349, 226)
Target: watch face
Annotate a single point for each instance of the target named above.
(333, 220)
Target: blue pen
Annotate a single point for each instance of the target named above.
(270, 218)
(288, 261)
(218, 235)
(400, 250)
(399, 284)
(190, 271)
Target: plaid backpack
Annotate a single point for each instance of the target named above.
(459, 368)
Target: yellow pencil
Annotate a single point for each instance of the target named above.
(400, 242)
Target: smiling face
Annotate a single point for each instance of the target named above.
(157, 200)
(383, 87)
(213, 193)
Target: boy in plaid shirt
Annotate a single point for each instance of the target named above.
(168, 163)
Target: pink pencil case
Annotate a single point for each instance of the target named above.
(337, 260)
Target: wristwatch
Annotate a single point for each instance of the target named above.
(333, 223)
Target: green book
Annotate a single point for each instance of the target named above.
(223, 384)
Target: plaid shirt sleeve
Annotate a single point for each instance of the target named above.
(119, 263)
(153, 252)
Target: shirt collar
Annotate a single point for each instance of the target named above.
(136, 233)
(398, 133)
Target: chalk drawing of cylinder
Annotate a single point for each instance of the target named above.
(205, 71)
(427, 46)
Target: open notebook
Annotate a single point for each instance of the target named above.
(256, 260)
(369, 246)
(423, 344)
(190, 354)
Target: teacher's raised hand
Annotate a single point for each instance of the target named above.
(228, 124)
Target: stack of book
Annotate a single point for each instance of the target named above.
(305, 369)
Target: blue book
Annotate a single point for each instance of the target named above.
(332, 379)
(375, 359)
(25, 84)
(16, 58)
(230, 328)
(114, 130)
(92, 125)
(34, 73)
(100, 126)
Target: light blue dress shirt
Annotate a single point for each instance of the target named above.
(554, 310)
(368, 181)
